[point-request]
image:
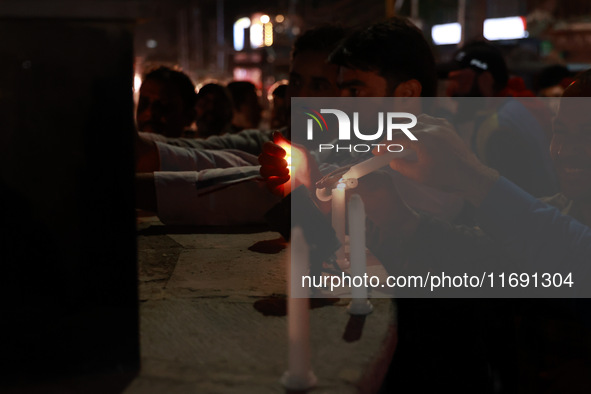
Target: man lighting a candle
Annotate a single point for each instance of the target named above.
(388, 59)
(521, 230)
(439, 343)
(433, 359)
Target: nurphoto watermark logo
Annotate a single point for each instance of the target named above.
(388, 122)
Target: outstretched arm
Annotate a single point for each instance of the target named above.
(229, 196)
(529, 229)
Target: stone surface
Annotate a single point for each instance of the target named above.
(200, 331)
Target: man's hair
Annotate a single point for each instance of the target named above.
(215, 89)
(395, 49)
(178, 79)
(241, 91)
(320, 39)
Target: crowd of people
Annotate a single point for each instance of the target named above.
(168, 105)
(509, 186)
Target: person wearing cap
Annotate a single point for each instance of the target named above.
(511, 133)
(479, 70)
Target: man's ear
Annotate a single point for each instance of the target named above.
(486, 84)
(410, 88)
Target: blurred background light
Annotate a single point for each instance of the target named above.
(239, 26)
(256, 34)
(511, 28)
(445, 34)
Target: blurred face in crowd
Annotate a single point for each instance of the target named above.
(214, 114)
(251, 111)
(279, 107)
(161, 109)
(461, 83)
(470, 83)
(571, 143)
(312, 76)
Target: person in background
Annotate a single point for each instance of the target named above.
(510, 134)
(166, 104)
(247, 107)
(553, 80)
(214, 111)
(279, 104)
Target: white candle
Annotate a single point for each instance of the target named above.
(287, 185)
(299, 375)
(375, 163)
(359, 303)
(338, 222)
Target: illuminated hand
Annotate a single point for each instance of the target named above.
(385, 207)
(443, 161)
(280, 160)
(274, 167)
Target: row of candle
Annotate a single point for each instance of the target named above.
(299, 375)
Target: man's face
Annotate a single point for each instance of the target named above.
(358, 83)
(312, 76)
(252, 110)
(571, 145)
(213, 115)
(463, 83)
(161, 109)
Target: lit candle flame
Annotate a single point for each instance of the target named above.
(287, 147)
